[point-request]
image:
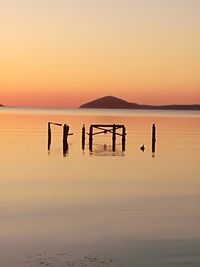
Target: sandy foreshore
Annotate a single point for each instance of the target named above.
(149, 253)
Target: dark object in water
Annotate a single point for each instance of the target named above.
(153, 138)
(142, 148)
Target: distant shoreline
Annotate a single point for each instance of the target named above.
(111, 102)
(86, 108)
(170, 107)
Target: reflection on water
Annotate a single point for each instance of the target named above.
(65, 149)
(131, 207)
(106, 150)
(98, 150)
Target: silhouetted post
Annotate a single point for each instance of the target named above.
(123, 138)
(153, 138)
(90, 138)
(65, 133)
(114, 138)
(49, 135)
(65, 136)
(83, 137)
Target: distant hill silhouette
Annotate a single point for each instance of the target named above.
(1, 105)
(112, 102)
(108, 102)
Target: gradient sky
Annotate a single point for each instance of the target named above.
(61, 53)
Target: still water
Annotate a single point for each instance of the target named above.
(103, 208)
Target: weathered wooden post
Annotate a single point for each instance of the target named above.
(123, 138)
(90, 138)
(65, 136)
(49, 135)
(83, 137)
(64, 133)
(114, 138)
(153, 138)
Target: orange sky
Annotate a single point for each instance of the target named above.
(63, 53)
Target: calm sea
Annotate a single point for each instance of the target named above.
(99, 208)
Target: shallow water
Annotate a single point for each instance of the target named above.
(103, 208)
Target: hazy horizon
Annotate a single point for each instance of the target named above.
(75, 107)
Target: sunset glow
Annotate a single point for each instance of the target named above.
(60, 53)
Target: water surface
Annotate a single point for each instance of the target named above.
(103, 208)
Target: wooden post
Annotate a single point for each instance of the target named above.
(65, 136)
(114, 138)
(123, 138)
(49, 135)
(67, 133)
(153, 138)
(83, 137)
(64, 133)
(90, 138)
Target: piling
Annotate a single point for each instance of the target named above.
(123, 138)
(83, 137)
(49, 135)
(90, 138)
(114, 138)
(153, 138)
(65, 136)
(65, 133)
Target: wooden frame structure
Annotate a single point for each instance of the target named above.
(113, 129)
(65, 135)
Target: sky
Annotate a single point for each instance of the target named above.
(62, 53)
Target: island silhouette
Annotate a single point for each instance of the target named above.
(112, 102)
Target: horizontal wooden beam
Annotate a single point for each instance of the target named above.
(109, 131)
(107, 125)
(55, 123)
(120, 134)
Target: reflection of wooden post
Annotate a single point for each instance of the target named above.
(123, 138)
(90, 138)
(65, 149)
(114, 138)
(49, 135)
(153, 138)
(83, 137)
